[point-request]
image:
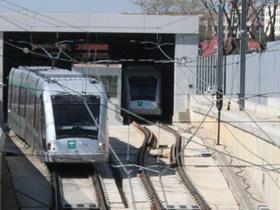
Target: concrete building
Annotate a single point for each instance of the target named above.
(123, 38)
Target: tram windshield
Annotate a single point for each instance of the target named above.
(143, 88)
(72, 118)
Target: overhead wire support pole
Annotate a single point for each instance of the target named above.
(219, 92)
(243, 47)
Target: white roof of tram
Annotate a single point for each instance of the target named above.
(115, 23)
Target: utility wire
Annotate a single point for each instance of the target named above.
(190, 139)
(80, 28)
(6, 1)
(144, 119)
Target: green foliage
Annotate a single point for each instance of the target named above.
(160, 7)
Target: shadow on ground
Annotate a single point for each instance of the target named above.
(23, 186)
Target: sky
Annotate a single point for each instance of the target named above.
(75, 6)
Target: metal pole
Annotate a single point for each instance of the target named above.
(243, 47)
(219, 92)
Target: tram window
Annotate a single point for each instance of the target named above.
(16, 99)
(32, 109)
(111, 84)
(37, 103)
(43, 125)
(28, 105)
(22, 101)
(9, 97)
(25, 96)
(38, 115)
(13, 98)
(21, 98)
(72, 117)
(11, 90)
(143, 88)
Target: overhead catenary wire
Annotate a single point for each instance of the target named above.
(81, 28)
(142, 118)
(272, 178)
(202, 123)
(71, 92)
(149, 122)
(208, 114)
(158, 46)
(189, 139)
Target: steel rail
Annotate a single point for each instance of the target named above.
(55, 179)
(101, 198)
(96, 184)
(149, 142)
(177, 155)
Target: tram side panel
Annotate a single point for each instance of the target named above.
(31, 117)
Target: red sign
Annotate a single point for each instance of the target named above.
(98, 47)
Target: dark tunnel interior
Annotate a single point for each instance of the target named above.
(36, 48)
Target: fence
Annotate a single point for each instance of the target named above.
(262, 75)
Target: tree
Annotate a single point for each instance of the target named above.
(256, 28)
(160, 7)
(255, 24)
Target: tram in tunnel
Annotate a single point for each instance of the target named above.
(133, 51)
(142, 85)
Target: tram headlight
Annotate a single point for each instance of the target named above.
(102, 146)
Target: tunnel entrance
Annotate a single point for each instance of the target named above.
(65, 49)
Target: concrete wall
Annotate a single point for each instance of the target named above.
(262, 75)
(185, 72)
(246, 141)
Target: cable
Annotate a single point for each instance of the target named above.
(158, 46)
(43, 15)
(10, 21)
(22, 12)
(138, 116)
(256, 123)
(121, 164)
(71, 91)
(273, 169)
(73, 26)
(184, 94)
(232, 156)
(38, 54)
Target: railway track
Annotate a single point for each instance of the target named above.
(177, 160)
(79, 189)
(149, 141)
(171, 188)
(61, 186)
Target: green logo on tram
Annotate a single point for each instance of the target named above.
(139, 103)
(71, 144)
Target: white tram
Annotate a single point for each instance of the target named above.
(61, 114)
(143, 90)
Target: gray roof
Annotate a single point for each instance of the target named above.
(117, 23)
